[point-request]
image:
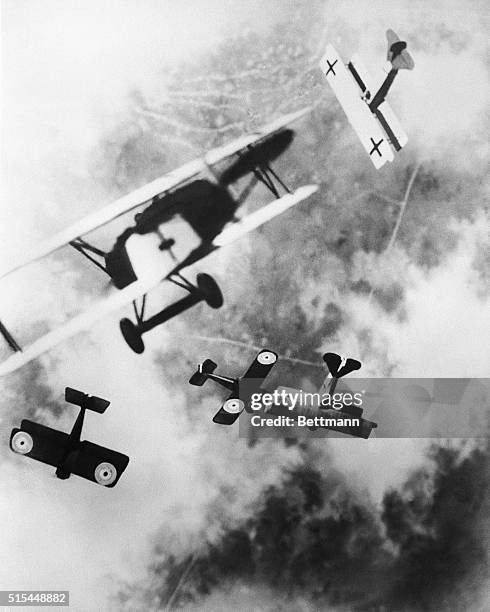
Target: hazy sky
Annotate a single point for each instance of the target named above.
(67, 67)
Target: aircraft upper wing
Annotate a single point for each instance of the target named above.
(49, 445)
(237, 401)
(91, 455)
(142, 286)
(145, 193)
(349, 95)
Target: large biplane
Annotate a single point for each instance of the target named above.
(243, 387)
(66, 452)
(364, 102)
(142, 256)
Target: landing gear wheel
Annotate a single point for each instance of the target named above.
(210, 291)
(131, 335)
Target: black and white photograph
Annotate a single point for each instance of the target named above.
(245, 305)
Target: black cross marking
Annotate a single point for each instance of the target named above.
(330, 67)
(376, 147)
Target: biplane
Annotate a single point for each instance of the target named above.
(142, 256)
(244, 387)
(364, 102)
(337, 369)
(241, 393)
(66, 452)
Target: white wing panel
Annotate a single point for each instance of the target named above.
(385, 109)
(77, 324)
(261, 216)
(360, 117)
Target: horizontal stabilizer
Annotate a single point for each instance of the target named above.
(333, 362)
(403, 61)
(349, 366)
(397, 54)
(200, 376)
(89, 402)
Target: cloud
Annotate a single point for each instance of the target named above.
(442, 317)
(68, 69)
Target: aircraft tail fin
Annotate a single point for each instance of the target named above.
(397, 54)
(201, 374)
(334, 363)
(89, 402)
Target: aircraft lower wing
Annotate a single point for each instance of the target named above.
(49, 445)
(140, 287)
(384, 113)
(76, 325)
(238, 399)
(348, 94)
(145, 193)
(92, 457)
(264, 214)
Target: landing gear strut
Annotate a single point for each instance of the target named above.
(205, 290)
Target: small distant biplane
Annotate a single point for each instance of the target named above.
(142, 256)
(337, 368)
(66, 452)
(364, 102)
(240, 393)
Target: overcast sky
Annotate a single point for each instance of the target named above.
(67, 68)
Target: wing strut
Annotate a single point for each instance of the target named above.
(266, 175)
(10, 339)
(139, 314)
(85, 248)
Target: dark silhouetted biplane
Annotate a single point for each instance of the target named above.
(141, 257)
(66, 452)
(242, 389)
